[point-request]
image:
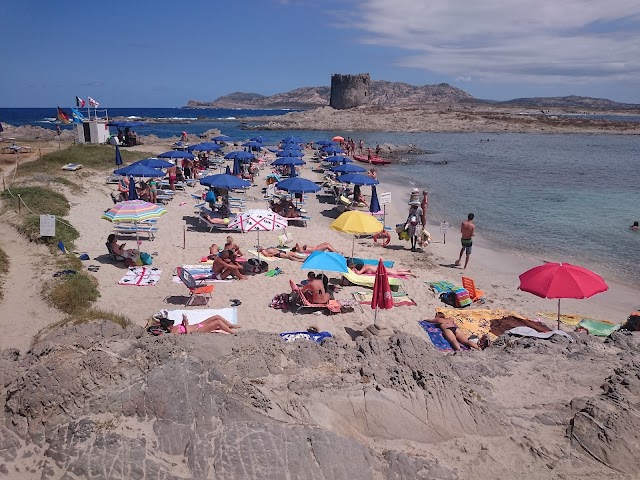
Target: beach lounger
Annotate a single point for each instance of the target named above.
(135, 229)
(196, 289)
(369, 280)
(202, 216)
(114, 257)
(72, 167)
(475, 294)
(333, 305)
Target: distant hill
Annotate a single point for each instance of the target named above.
(392, 94)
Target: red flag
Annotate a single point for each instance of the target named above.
(63, 117)
(381, 290)
(79, 102)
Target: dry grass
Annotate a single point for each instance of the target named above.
(86, 316)
(4, 268)
(72, 294)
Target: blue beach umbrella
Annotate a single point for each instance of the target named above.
(253, 144)
(224, 181)
(332, 150)
(325, 262)
(375, 204)
(118, 156)
(291, 146)
(298, 185)
(348, 168)
(357, 179)
(153, 163)
(288, 153)
(292, 140)
(133, 193)
(239, 155)
(338, 159)
(137, 170)
(176, 154)
(282, 161)
(325, 143)
(221, 138)
(259, 138)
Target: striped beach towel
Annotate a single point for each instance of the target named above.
(435, 335)
(462, 297)
(441, 286)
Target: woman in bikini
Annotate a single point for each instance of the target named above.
(372, 269)
(274, 252)
(453, 334)
(153, 190)
(323, 247)
(209, 325)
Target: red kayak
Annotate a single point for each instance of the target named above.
(375, 160)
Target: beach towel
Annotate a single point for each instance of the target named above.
(530, 332)
(441, 286)
(369, 280)
(567, 319)
(400, 299)
(489, 322)
(600, 328)
(370, 261)
(196, 316)
(315, 337)
(141, 277)
(462, 297)
(272, 259)
(435, 335)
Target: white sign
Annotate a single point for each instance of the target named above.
(384, 198)
(47, 225)
(444, 226)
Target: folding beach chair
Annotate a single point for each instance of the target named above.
(197, 289)
(114, 257)
(333, 306)
(475, 294)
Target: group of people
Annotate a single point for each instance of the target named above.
(225, 261)
(147, 191)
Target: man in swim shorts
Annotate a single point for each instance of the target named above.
(468, 230)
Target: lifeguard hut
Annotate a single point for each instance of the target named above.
(94, 128)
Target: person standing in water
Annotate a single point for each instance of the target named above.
(468, 230)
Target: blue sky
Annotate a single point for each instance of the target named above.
(161, 53)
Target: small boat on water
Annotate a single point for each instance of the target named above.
(374, 160)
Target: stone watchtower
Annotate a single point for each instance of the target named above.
(348, 91)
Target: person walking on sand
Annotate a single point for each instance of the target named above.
(423, 204)
(468, 230)
(413, 224)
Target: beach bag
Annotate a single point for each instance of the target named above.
(146, 259)
(210, 197)
(462, 297)
(448, 298)
(254, 265)
(280, 301)
(285, 238)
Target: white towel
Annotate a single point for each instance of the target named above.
(197, 316)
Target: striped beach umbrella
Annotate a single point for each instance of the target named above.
(133, 211)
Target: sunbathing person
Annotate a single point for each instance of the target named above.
(452, 333)
(209, 325)
(315, 292)
(214, 250)
(371, 270)
(119, 249)
(217, 220)
(274, 252)
(323, 247)
(230, 245)
(223, 268)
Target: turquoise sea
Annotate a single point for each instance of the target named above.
(568, 197)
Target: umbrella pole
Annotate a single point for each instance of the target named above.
(558, 314)
(353, 246)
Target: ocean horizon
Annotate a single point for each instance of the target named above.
(562, 197)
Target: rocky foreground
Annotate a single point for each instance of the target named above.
(96, 401)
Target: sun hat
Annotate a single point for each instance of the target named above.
(161, 314)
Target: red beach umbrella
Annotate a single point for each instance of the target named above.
(381, 290)
(562, 280)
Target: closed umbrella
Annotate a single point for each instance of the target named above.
(326, 262)
(562, 280)
(118, 156)
(227, 170)
(133, 193)
(381, 292)
(375, 203)
(236, 167)
(356, 223)
(257, 220)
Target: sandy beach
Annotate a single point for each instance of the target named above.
(183, 240)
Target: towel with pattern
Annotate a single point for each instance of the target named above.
(436, 337)
(462, 297)
(315, 337)
(370, 261)
(141, 277)
(600, 328)
(441, 286)
(489, 322)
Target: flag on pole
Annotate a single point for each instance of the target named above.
(79, 102)
(93, 103)
(77, 116)
(62, 116)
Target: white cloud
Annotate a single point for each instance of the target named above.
(542, 42)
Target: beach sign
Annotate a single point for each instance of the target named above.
(444, 226)
(384, 198)
(47, 225)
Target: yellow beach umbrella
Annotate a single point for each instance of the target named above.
(356, 223)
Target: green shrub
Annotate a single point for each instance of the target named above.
(73, 294)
